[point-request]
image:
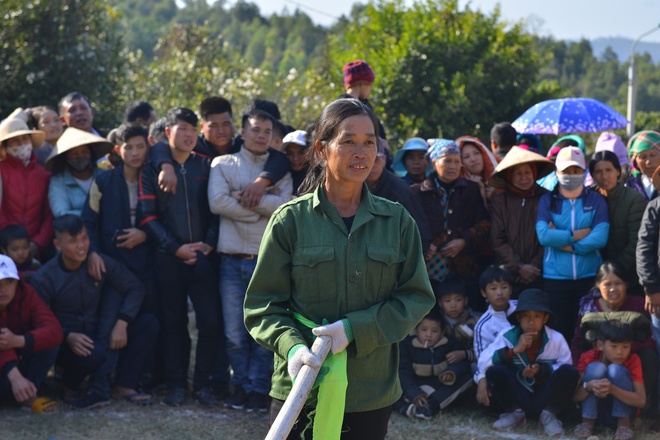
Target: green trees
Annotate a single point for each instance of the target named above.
(441, 70)
(50, 48)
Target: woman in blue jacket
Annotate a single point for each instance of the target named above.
(573, 225)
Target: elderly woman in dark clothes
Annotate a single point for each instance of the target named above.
(457, 217)
(513, 214)
(625, 207)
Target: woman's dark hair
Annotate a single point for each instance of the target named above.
(36, 114)
(615, 331)
(604, 155)
(324, 131)
(610, 268)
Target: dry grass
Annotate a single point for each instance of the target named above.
(123, 420)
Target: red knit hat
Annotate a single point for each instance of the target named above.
(358, 70)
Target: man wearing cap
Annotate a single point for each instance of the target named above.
(29, 337)
(24, 184)
(294, 147)
(573, 226)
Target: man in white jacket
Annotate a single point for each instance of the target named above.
(241, 230)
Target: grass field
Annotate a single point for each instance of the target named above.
(123, 420)
(126, 421)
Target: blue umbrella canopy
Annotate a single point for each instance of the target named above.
(569, 115)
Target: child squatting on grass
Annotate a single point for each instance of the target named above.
(430, 383)
(612, 382)
(528, 368)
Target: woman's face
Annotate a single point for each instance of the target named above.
(613, 290)
(350, 155)
(472, 159)
(522, 177)
(647, 161)
(51, 125)
(75, 153)
(448, 167)
(415, 163)
(605, 175)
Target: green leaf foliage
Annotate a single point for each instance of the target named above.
(51, 48)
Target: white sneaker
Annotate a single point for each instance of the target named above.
(510, 420)
(551, 424)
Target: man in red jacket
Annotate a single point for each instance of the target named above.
(29, 336)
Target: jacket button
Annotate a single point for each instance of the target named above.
(351, 239)
(449, 232)
(351, 279)
(450, 211)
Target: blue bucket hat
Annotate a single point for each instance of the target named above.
(412, 144)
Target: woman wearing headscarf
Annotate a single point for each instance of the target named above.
(644, 153)
(457, 217)
(513, 215)
(478, 164)
(625, 208)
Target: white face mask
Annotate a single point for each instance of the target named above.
(570, 181)
(21, 152)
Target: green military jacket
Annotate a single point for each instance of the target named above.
(374, 276)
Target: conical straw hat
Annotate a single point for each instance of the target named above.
(72, 138)
(13, 127)
(517, 156)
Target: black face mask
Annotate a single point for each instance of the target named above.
(79, 164)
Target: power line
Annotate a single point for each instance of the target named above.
(311, 9)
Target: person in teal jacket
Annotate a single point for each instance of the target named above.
(340, 262)
(73, 163)
(573, 226)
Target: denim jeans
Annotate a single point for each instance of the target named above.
(33, 365)
(251, 363)
(591, 406)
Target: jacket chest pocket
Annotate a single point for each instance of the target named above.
(314, 273)
(382, 271)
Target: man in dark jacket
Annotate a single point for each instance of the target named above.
(29, 336)
(216, 139)
(185, 232)
(98, 317)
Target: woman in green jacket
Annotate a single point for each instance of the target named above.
(343, 263)
(625, 207)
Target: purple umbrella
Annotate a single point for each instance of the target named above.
(569, 115)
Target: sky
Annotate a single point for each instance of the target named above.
(563, 19)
